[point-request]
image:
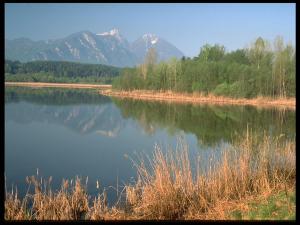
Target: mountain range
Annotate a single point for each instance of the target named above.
(109, 48)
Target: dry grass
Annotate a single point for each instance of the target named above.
(197, 98)
(250, 169)
(168, 189)
(69, 203)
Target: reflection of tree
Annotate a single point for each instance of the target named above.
(148, 127)
(54, 96)
(210, 123)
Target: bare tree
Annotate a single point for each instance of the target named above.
(149, 62)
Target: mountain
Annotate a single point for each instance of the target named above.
(23, 49)
(164, 49)
(109, 48)
(84, 46)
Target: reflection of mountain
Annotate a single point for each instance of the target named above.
(209, 123)
(86, 112)
(80, 118)
(109, 133)
(84, 118)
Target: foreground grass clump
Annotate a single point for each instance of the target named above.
(245, 182)
(249, 169)
(71, 202)
(66, 204)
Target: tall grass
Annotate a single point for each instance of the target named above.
(168, 189)
(250, 168)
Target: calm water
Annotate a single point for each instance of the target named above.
(65, 132)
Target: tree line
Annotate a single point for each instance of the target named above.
(54, 71)
(259, 70)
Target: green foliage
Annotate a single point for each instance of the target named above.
(239, 56)
(212, 53)
(222, 89)
(256, 71)
(276, 207)
(51, 71)
(198, 87)
(233, 90)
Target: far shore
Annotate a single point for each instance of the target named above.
(63, 85)
(197, 98)
(169, 96)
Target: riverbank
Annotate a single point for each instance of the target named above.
(197, 98)
(60, 85)
(252, 180)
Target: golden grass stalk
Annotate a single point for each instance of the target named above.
(169, 189)
(250, 168)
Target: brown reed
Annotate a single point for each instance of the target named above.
(168, 189)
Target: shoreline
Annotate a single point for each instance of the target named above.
(169, 96)
(63, 85)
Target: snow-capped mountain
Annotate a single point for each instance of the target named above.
(109, 48)
(164, 49)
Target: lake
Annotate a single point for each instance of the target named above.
(68, 132)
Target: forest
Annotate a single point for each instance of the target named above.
(54, 71)
(261, 69)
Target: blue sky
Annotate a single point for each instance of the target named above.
(187, 26)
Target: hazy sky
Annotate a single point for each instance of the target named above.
(187, 26)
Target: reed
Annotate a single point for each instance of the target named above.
(167, 188)
(200, 98)
(248, 169)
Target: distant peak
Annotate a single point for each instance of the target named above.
(150, 37)
(113, 32)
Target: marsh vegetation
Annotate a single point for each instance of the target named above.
(167, 188)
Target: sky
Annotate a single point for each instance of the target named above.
(187, 26)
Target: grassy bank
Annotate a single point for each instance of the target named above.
(280, 206)
(254, 179)
(199, 98)
(61, 85)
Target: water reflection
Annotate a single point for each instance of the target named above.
(66, 132)
(85, 111)
(210, 123)
(82, 111)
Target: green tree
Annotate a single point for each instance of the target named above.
(283, 66)
(211, 53)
